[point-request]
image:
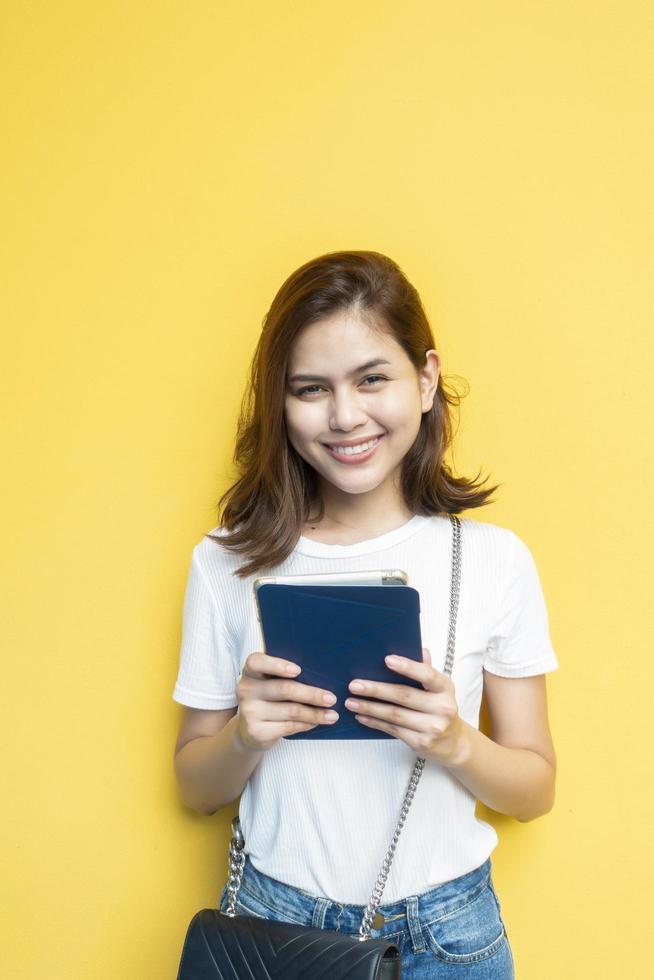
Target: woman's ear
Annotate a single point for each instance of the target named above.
(429, 375)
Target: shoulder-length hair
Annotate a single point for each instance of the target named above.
(265, 509)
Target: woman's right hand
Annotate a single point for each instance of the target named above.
(270, 707)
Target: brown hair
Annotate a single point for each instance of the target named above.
(265, 509)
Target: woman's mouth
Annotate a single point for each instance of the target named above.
(351, 455)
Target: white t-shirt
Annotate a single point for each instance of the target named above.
(320, 815)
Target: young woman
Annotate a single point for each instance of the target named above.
(340, 451)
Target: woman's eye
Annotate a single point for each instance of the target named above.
(371, 377)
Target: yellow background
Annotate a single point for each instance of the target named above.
(166, 166)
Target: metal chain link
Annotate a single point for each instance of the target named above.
(236, 865)
(236, 853)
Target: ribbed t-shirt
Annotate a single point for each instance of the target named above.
(320, 815)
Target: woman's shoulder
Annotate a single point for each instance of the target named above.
(216, 533)
(497, 543)
(489, 536)
(210, 552)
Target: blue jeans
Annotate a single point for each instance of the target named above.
(452, 930)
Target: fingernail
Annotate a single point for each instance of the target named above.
(393, 660)
(356, 686)
(292, 668)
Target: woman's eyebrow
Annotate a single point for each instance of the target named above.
(357, 370)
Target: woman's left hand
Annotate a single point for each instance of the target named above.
(428, 721)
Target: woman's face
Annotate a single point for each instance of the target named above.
(342, 399)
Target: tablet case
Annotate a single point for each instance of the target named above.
(338, 632)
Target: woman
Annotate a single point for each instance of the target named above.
(340, 450)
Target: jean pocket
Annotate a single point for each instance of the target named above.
(471, 932)
(251, 905)
(243, 905)
(244, 908)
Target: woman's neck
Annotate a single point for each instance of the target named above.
(353, 528)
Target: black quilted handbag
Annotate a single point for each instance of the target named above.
(226, 946)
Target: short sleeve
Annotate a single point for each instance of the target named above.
(207, 675)
(520, 643)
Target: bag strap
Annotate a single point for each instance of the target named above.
(236, 852)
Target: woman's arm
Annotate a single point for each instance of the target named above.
(212, 765)
(514, 771)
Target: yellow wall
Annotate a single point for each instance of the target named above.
(166, 166)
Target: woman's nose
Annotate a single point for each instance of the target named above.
(346, 412)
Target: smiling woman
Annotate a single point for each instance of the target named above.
(366, 423)
(333, 321)
(341, 445)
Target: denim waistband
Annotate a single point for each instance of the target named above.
(302, 907)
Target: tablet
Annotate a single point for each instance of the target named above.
(336, 632)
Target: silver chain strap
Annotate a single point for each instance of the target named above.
(236, 852)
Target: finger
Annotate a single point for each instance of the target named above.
(385, 726)
(278, 689)
(292, 711)
(415, 721)
(414, 698)
(262, 664)
(426, 656)
(430, 678)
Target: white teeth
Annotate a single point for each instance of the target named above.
(354, 450)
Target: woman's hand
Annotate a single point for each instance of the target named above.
(272, 706)
(428, 721)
